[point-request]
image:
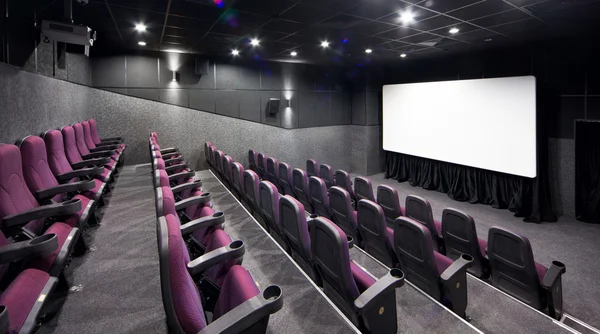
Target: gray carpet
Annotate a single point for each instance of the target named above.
(569, 241)
(116, 285)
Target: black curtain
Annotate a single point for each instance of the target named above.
(587, 171)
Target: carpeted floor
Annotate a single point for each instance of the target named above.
(569, 241)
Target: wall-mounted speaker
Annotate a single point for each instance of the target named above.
(273, 106)
(202, 66)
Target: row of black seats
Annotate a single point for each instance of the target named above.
(319, 247)
(213, 293)
(51, 186)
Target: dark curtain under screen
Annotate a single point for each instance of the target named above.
(587, 171)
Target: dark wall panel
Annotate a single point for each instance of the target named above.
(227, 76)
(373, 107)
(270, 76)
(142, 72)
(249, 77)
(175, 96)
(202, 100)
(306, 107)
(227, 103)
(144, 93)
(359, 100)
(322, 103)
(109, 72)
(249, 105)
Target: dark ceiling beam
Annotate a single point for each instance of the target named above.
(162, 34)
(114, 21)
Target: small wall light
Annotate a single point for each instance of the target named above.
(175, 76)
(289, 103)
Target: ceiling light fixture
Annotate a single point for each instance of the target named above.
(140, 27)
(173, 51)
(235, 52)
(454, 30)
(254, 42)
(403, 55)
(407, 17)
(368, 50)
(488, 40)
(294, 53)
(142, 43)
(324, 44)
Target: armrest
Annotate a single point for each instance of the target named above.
(65, 188)
(553, 275)
(216, 218)
(178, 159)
(15, 251)
(248, 313)
(104, 148)
(184, 203)
(234, 250)
(169, 150)
(188, 185)
(80, 173)
(454, 281)
(3, 319)
(176, 167)
(99, 154)
(181, 175)
(109, 146)
(350, 241)
(51, 210)
(119, 139)
(457, 268)
(380, 290)
(91, 163)
(168, 155)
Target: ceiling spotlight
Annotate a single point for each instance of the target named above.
(235, 52)
(407, 17)
(488, 40)
(403, 55)
(142, 43)
(368, 50)
(324, 44)
(454, 30)
(254, 42)
(140, 27)
(294, 53)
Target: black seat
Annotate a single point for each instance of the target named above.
(285, 179)
(326, 174)
(388, 199)
(300, 186)
(377, 238)
(343, 214)
(363, 189)
(319, 197)
(419, 209)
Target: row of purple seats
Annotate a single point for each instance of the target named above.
(369, 302)
(49, 196)
(214, 282)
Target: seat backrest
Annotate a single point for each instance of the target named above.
(15, 197)
(269, 205)
(342, 179)
(252, 160)
(413, 247)
(363, 189)
(326, 174)
(329, 247)
(387, 198)
(261, 165)
(211, 154)
(87, 135)
(181, 298)
(206, 149)
(217, 273)
(376, 237)
(165, 202)
(36, 171)
(318, 196)
(94, 131)
(80, 139)
(71, 150)
(237, 176)
(251, 184)
(295, 228)
(419, 209)
(219, 160)
(342, 212)
(300, 185)
(55, 148)
(285, 178)
(227, 162)
(460, 237)
(273, 170)
(238, 287)
(312, 167)
(513, 266)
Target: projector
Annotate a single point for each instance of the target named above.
(68, 33)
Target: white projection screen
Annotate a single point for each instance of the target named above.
(483, 123)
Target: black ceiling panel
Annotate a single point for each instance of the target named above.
(447, 5)
(307, 14)
(264, 7)
(501, 18)
(480, 9)
(374, 9)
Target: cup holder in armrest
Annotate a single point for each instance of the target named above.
(272, 292)
(41, 239)
(218, 214)
(559, 264)
(350, 241)
(467, 257)
(70, 207)
(313, 216)
(205, 194)
(236, 244)
(87, 185)
(36, 247)
(397, 273)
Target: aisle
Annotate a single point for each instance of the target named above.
(116, 285)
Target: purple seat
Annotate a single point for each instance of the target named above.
(326, 174)
(269, 210)
(261, 166)
(206, 151)
(211, 155)
(318, 196)
(18, 206)
(96, 138)
(295, 228)
(182, 185)
(87, 136)
(159, 164)
(273, 172)
(419, 209)
(363, 188)
(515, 272)
(252, 160)
(227, 162)
(285, 178)
(219, 156)
(460, 237)
(343, 214)
(84, 150)
(342, 179)
(429, 270)
(237, 179)
(251, 185)
(388, 199)
(45, 187)
(239, 306)
(300, 186)
(312, 167)
(377, 238)
(76, 159)
(348, 285)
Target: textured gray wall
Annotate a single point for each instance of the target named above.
(32, 103)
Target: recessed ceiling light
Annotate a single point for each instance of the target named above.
(235, 52)
(173, 50)
(454, 30)
(324, 44)
(142, 43)
(368, 50)
(403, 55)
(294, 53)
(140, 27)
(488, 40)
(254, 42)
(407, 17)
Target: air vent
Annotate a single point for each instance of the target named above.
(60, 27)
(221, 38)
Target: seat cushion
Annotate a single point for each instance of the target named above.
(105, 176)
(21, 295)
(62, 232)
(541, 271)
(362, 279)
(92, 192)
(441, 262)
(238, 287)
(75, 218)
(482, 247)
(218, 272)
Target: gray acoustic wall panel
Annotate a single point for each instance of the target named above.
(359, 112)
(142, 72)
(175, 96)
(227, 76)
(109, 72)
(79, 69)
(144, 93)
(249, 105)
(202, 100)
(227, 103)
